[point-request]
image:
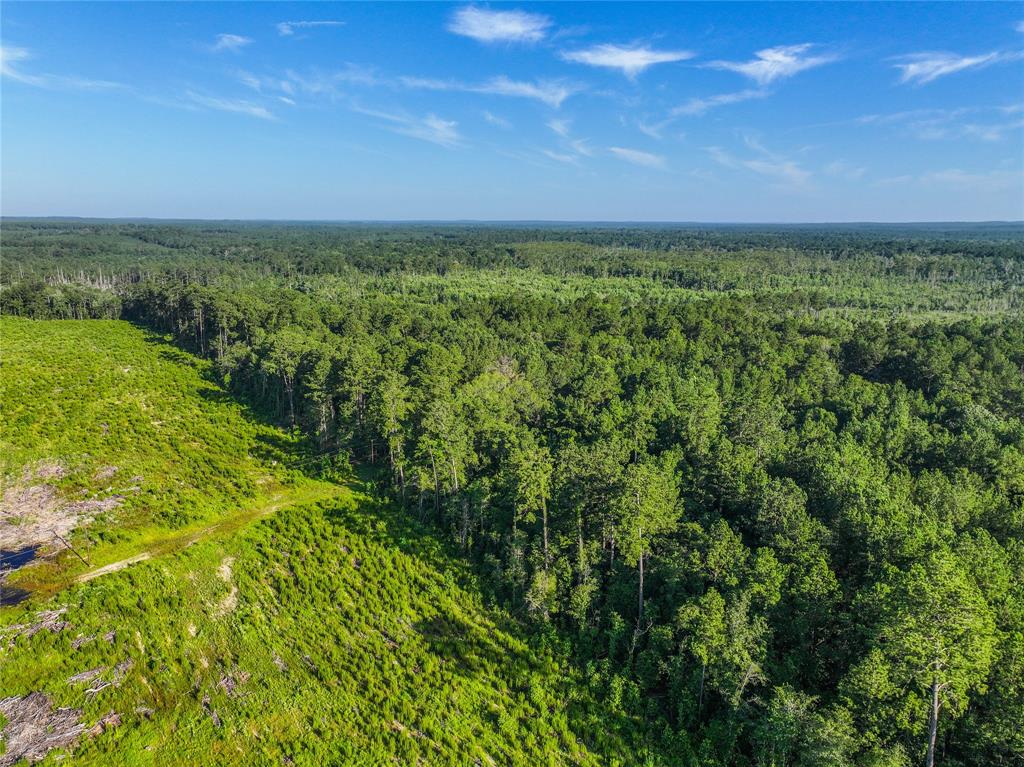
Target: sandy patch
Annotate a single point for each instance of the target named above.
(33, 513)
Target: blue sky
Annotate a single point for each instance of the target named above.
(573, 111)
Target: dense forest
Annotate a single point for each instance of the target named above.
(765, 484)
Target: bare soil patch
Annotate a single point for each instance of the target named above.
(33, 513)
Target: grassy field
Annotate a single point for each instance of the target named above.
(276, 619)
(106, 422)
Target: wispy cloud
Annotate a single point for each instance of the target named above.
(844, 170)
(784, 172)
(572, 150)
(230, 43)
(771, 64)
(559, 126)
(921, 68)
(287, 28)
(260, 83)
(318, 83)
(638, 157)
(997, 180)
(654, 130)
(429, 128)
(1019, 26)
(489, 26)
(630, 60)
(11, 58)
(569, 159)
(496, 120)
(549, 92)
(700, 105)
(964, 122)
(314, 84)
(349, 74)
(580, 146)
(694, 108)
(991, 181)
(992, 131)
(238, 106)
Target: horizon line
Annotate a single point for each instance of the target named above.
(509, 221)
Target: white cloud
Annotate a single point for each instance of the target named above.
(238, 106)
(327, 83)
(845, 170)
(489, 26)
(653, 130)
(955, 178)
(992, 181)
(430, 84)
(551, 93)
(580, 146)
(772, 64)
(354, 74)
(429, 128)
(573, 149)
(897, 117)
(494, 119)
(630, 60)
(921, 68)
(232, 43)
(11, 56)
(695, 107)
(637, 157)
(287, 28)
(992, 132)
(559, 126)
(939, 124)
(698, 106)
(569, 159)
(313, 84)
(786, 173)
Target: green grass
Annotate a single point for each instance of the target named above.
(350, 634)
(104, 395)
(359, 638)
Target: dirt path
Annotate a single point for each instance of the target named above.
(182, 539)
(113, 567)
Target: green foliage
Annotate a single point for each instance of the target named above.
(356, 638)
(766, 488)
(115, 412)
(335, 632)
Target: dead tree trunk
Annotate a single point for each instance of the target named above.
(933, 723)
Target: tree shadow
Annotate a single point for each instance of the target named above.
(12, 595)
(272, 447)
(500, 643)
(471, 649)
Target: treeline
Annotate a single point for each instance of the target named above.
(779, 540)
(909, 269)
